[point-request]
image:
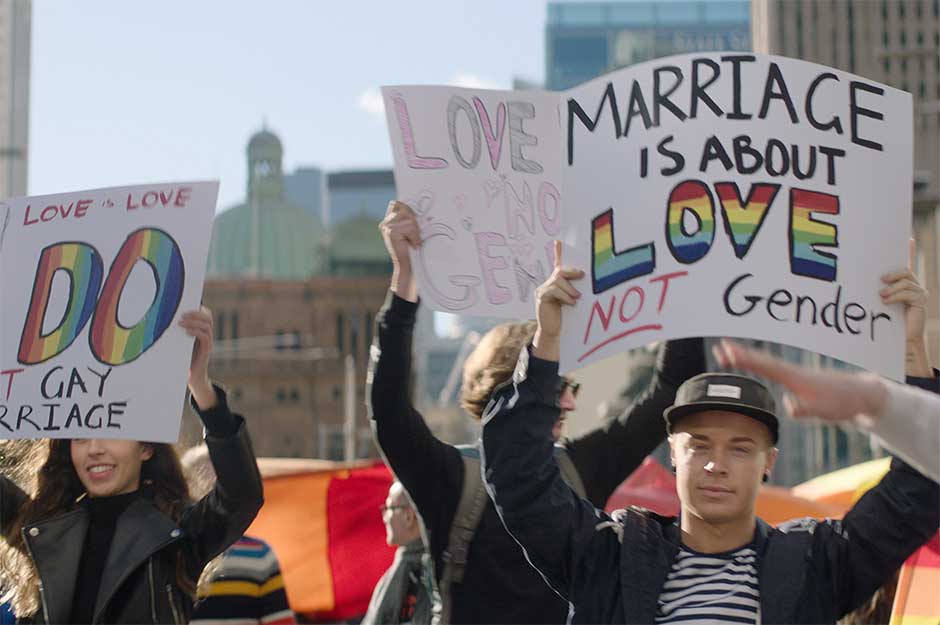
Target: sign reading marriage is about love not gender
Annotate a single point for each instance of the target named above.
(92, 284)
(704, 195)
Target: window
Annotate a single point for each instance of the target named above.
(236, 394)
(903, 38)
(220, 325)
(922, 92)
(904, 65)
(280, 396)
(340, 332)
(884, 9)
(234, 324)
(294, 395)
(886, 65)
(885, 40)
(337, 393)
(354, 334)
(901, 9)
(920, 39)
(279, 340)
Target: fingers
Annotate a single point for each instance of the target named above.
(400, 223)
(906, 291)
(736, 356)
(555, 292)
(794, 407)
(557, 247)
(895, 276)
(911, 253)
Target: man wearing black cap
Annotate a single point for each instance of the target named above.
(717, 562)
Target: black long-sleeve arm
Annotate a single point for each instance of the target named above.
(429, 469)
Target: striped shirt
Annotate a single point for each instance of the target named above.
(711, 588)
(246, 589)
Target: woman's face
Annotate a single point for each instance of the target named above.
(109, 467)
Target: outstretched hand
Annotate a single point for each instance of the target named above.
(554, 293)
(824, 394)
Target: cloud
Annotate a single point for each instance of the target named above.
(371, 102)
(471, 81)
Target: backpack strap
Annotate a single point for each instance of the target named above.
(569, 472)
(469, 512)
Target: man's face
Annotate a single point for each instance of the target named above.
(720, 459)
(567, 402)
(401, 522)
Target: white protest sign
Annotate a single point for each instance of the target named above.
(703, 195)
(481, 169)
(736, 195)
(92, 285)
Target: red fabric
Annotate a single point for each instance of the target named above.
(358, 553)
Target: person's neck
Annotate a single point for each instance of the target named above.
(707, 537)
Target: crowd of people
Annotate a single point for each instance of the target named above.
(510, 529)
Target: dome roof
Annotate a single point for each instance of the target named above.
(264, 141)
(289, 242)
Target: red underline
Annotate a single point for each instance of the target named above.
(651, 326)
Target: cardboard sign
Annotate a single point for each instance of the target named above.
(92, 285)
(719, 195)
(481, 169)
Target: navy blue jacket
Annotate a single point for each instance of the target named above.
(612, 569)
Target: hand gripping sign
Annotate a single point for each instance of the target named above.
(91, 285)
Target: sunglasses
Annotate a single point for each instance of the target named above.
(566, 384)
(383, 508)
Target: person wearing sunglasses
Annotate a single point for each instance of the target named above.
(482, 574)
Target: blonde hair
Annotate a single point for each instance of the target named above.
(492, 363)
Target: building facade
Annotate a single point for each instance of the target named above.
(586, 39)
(895, 42)
(292, 298)
(15, 34)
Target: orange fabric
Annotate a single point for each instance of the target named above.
(296, 528)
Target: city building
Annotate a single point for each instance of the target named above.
(15, 33)
(292, 298)
(895, 42)
(586, 39)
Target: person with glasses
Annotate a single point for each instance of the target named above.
(404, 594)
(493, 582)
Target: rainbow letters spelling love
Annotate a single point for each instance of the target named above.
(110, 342)
(808, 234)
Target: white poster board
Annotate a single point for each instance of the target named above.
(92, 285)
(713, 195)
(481, 169)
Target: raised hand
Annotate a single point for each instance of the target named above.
(400, 231)
(902, 287)
(554, 293)
(199, 324)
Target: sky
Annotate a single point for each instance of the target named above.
(136, 92)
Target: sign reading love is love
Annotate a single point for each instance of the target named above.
(703, 195)
(92, 284)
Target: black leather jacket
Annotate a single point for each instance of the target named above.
(139, 580)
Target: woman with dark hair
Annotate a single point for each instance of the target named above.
(111, 534)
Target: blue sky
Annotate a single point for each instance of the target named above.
(132, 92)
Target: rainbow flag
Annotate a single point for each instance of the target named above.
(323, 521)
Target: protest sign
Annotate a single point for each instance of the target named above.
(92, 284)
(481, 169)
(716, 195)
(737, 195)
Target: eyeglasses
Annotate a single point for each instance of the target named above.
(567, 383)
(383, 508)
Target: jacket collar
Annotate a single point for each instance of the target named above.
(56, 548)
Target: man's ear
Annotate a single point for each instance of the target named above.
(146, 452)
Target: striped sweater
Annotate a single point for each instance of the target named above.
(246, 589)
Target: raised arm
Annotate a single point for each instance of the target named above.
(220, 518)
(557, 530)
(420, 461)
(608, 455)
